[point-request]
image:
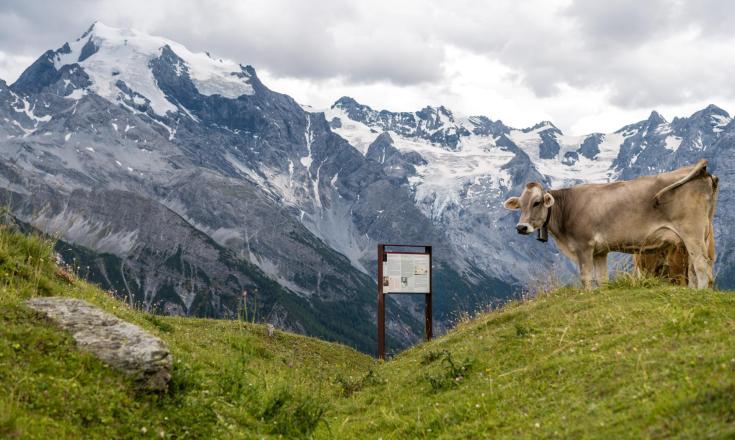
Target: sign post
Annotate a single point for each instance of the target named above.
(403, 272)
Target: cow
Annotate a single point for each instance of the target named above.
(672, 263)
(642, 215)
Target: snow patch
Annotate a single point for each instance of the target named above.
(584, 169)
(720, 122)
(697, 144)
(357, 134)
(76, 94)
(290, 173)
(307, 160)
(672, 143)
(28, 109)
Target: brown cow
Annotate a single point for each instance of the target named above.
(672, 264)
(636, 216)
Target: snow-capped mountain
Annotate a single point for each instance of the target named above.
(189, 187)
(110, 57)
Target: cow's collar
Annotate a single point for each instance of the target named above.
(543, 231)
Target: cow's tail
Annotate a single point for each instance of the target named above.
(710, 235)
(715, 192)
(698, 168)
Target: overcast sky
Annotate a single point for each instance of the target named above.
(585, 65)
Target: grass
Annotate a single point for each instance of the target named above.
(617, 362)
(636, 359)
(230, 379)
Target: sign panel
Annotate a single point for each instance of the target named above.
(406, 273)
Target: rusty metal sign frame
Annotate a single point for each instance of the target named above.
(382, 257)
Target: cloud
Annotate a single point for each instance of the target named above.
(626, 56)
(647, 54)
(622, 24)
(316, 40)
(13, 64)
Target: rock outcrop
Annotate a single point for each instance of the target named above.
(118, 343)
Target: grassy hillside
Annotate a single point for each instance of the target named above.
(637, 359)
(230, 379)
(630, 361)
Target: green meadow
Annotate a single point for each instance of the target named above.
(636, 359)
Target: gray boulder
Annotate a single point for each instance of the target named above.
(118, 343)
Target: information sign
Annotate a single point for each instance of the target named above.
(399, 272)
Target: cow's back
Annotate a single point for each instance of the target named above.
(619, 216)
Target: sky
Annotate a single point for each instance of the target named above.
(586, 65)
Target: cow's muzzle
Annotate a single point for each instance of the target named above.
(524, 228)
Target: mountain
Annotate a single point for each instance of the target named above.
(185, 185)
(193, 187)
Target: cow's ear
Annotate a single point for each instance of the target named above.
(548, 200)
(512, 203)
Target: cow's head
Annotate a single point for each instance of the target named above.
(533, 203)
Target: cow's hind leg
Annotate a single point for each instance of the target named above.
(701, 277)
(584, 259)
(704, 272)
(691, 274)
(601, 275)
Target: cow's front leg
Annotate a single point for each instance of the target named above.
(601, 275)
(584, 259)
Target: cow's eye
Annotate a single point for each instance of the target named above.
(536, 203)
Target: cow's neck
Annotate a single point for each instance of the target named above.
(543, 231)
(556, 221)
